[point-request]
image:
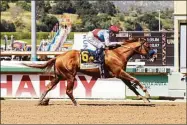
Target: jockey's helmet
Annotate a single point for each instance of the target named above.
(114, 29)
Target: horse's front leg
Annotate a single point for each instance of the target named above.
(128, 83)
(123, 75)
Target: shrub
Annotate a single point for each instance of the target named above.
(42, 28)
(42, 35)
(25, 35)
(71, 35)
(7, 26)
(47, 23)
(17, 35)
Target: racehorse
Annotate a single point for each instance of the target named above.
(67, 65)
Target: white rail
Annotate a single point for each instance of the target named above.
(22, 53)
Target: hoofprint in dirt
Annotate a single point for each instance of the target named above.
(103, 112)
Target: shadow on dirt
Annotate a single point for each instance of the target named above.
(138, 105)
(142, 105)
(149, 105)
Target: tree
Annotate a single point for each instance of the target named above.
(83, 7)
(13, 1)
(7, 26)
(104, 6)
(16, 12)
(150, 20)
(129, 25)
(42, 28)
(133, 13)
(167, 13)
(47, 6)
(28, 1)
(62, 7)
(16, 16)
(77, 28)
(4, 5)
(104, 21)
(121, 16)
(24, 5)
(40, 11)
(89, 26)
(49, 21)
(139, 10)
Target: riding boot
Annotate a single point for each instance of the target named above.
(102, 70)
(98, 53)
(101, 60)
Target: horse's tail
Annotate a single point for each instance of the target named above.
(48, 65)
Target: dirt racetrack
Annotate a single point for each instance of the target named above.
(90, 112)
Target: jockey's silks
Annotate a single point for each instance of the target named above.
(100, 33)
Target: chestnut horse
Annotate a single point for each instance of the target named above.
(67, 65)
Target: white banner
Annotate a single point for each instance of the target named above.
(80, 42)
(32, 86)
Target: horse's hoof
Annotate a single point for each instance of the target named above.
(146, 100)
(44, 102)
(139, 97)
(76, 104)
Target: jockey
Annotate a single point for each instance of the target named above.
(100, 39)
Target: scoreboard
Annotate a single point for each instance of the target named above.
(162, 42)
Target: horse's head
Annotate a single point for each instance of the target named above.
(142, 47)
(145, 50)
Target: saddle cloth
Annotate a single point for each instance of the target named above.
(87, 59)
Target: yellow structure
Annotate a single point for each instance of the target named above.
(180, 22)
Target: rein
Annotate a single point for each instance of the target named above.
(141, 45)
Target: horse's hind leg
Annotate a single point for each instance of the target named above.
(53, 82)
(69, 90)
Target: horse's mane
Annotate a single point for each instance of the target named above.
(133, 40)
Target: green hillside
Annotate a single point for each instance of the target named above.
(85, 16)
